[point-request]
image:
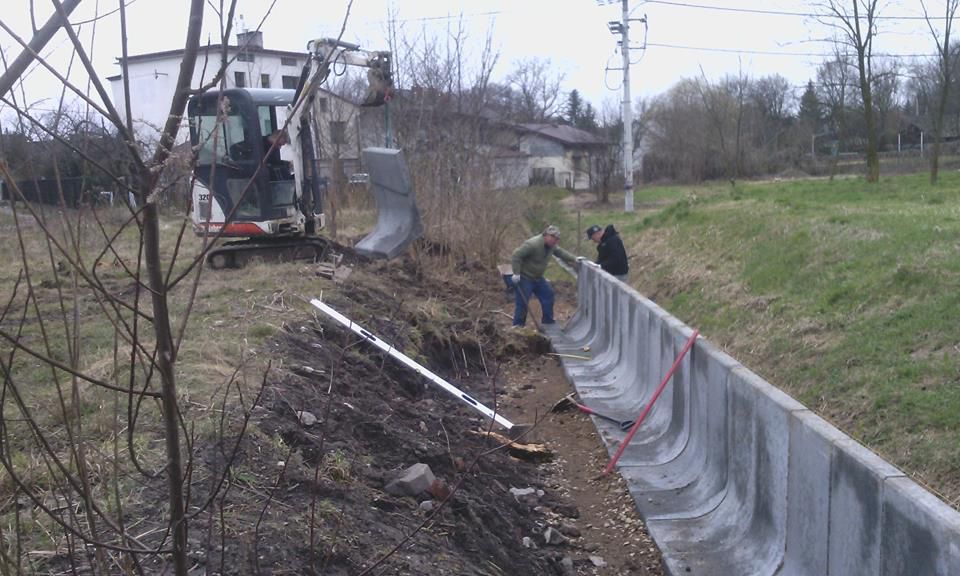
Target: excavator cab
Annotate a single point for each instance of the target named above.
(232, 132)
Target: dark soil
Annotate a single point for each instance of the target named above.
(308, 497)
(377, 417)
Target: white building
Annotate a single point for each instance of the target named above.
(153, 77)
(560, 155)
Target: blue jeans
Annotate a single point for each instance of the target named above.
(544, 293)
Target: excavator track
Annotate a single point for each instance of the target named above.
(237, 253)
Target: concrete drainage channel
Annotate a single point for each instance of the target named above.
(732, 476)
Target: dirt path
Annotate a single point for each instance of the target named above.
(609, 524)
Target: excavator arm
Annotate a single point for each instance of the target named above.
(398, 219)
(378, 65)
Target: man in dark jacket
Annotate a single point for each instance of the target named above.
(611, 256)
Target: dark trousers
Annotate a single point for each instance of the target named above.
(542, 290)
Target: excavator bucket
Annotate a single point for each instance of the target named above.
(398, 218)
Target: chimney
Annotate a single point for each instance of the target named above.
(253, 39)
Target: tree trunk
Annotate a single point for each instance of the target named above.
(165, 363)
(165, 360)
(937, 134)
(944, 57)
(873, 156)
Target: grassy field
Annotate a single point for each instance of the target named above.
(842, 293)
(57, 315)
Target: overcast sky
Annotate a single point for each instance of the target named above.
(682, 36)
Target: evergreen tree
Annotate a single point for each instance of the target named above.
(588, 119)
(574, 107)
(811, 111)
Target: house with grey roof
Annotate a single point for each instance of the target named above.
(558, 155)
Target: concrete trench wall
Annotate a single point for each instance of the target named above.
(732, 476)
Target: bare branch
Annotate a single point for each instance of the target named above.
(40, 39)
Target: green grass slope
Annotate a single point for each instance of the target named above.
(843, 294)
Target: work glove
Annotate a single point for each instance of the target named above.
(515, 279)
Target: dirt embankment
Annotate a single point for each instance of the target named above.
(345, 421)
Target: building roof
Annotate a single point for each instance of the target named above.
(212, 49)
(564, 134)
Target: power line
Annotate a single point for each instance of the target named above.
(104, 15)
(435, 18)
(450, 17)
(780, 12)
(772, 52)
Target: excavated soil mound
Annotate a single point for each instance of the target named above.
(354, 419)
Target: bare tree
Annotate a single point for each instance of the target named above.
(886, 99)
(945, 60)
(683, 143)
(856, 23)
(40, 39)
(723, 103)
(538, 90)
(771, 98)
(460, 161)
(609, 173)
(143, 362)
(833, 79)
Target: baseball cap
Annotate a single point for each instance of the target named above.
(552, 231)
(593, 230)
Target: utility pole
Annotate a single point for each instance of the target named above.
(623, 28)
(627, 115)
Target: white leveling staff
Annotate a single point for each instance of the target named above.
(456, 392)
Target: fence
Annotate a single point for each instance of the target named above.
(46, 191)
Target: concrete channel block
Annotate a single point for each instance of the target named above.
(812, 446)
(612, 380)
(733, 476)
(664, 432)
(857, 478)
(583, 279)
(920, 533)
(580, 328)
(691, 484)
(746, 532)
(608, 350)
(627, 394)
(398, 218)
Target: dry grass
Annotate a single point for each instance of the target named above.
(231, 317)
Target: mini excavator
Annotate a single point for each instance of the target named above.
(270, 207)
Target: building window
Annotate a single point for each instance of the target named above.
(244, 57)
(264, 80)
(338, 132)
(287, 61)
(542, 177)
(322, 104)
(239, 79)
(290, 82)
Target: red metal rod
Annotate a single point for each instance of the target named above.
(646, 410)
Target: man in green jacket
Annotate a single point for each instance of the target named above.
(529, 263)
